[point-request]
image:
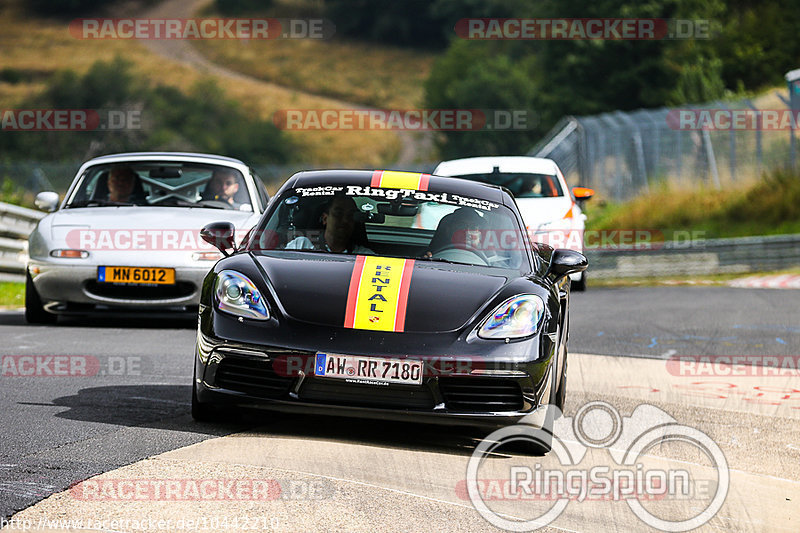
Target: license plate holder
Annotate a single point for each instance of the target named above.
(136, 275)
(362, 369)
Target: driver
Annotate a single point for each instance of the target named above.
(338, 219)
(121, 183)
(224, 186)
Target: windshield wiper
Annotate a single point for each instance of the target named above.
(99, 203)
(442, 260)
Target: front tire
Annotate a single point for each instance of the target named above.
(580, 285)
(203, 412)
(34, 309)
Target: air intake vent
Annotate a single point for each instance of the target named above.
(181, 289)
(481, 395)
(338, 392)
(251, 375)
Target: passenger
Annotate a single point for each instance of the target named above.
(460, 229)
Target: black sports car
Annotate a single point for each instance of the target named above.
(391, 295)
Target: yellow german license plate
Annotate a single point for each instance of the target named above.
(136, 275)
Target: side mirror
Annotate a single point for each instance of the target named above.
(47, 201)
(582, 193)
(220, 235)
(564, 262)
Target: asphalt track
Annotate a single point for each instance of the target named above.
(129, 421)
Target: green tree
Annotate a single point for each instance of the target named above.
(476, 75)
(202, 120)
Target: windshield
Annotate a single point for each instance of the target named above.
(428, 226)
(521, 184)
(166, 184)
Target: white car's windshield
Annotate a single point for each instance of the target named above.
(521, 184)
(167, 184)
(454, 229)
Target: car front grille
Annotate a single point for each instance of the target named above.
(251, 375)
(339, 392)
(181, 289)
(481, 395)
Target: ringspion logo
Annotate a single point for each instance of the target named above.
(628, 473)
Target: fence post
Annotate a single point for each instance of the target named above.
(638, 149)
(759, 148)
(712, 161)
(793, 79)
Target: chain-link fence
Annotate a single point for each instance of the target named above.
(623, 154)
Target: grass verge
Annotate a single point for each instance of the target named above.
(12, 294)
(366, 74)
(720, 280)
(35, 48)
(769, 206)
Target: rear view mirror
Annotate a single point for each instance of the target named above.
(166, 172)
(47, 201)
(220, 235)
(564, 262)
(399, 209)
(582, 193)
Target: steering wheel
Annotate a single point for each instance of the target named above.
(215, 203)
(464, 247)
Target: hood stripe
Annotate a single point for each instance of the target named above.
(402, 299)
(378, 294)
(352, 294)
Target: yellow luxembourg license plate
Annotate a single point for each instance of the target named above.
(373, 369)
(136, 275)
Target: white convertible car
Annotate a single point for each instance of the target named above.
(126, 236)
(550, 210)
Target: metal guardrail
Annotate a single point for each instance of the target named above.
(708, 257)
(16, 223)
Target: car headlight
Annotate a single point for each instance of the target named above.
(519, 316)
(238, 296)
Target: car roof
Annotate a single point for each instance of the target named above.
(177, 156)
(485, 191)
(485, 165)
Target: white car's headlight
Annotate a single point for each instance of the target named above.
(238, 296)
(515, 318)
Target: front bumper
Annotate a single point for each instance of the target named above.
(502, 392)
(60, 286)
